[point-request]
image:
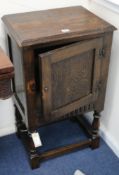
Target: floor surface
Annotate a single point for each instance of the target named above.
(13, 158)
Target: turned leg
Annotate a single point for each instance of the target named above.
(25, 136)
(30, 148)
(34, 156)
(95, 130)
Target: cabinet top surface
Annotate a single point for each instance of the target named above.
(39, 27)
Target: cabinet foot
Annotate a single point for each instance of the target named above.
(95, 143)
(34, 160)
(26, 138)
(95, 130)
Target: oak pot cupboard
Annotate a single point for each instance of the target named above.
(61, 59)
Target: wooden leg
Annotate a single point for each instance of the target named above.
(30, 148)
(34, 156)
(95, 130)
(92, 130)
(26, 138)
(34, 161)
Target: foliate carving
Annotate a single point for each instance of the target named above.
(79, 111)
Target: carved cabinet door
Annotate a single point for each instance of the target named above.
(70, 75)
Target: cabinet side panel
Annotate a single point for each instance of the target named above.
(18, 81)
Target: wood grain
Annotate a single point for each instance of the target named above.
(70, 74)
(45, 26)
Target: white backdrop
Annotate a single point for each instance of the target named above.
(110, 118)
(110, 115)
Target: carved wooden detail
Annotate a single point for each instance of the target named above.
(79, 111)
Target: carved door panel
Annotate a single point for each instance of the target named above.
(69, 77)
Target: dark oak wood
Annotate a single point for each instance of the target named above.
(62, 72)
(95, 130)
(23, 134)
(61, 58)
(6, 74)
(63, 150)
(25, 27)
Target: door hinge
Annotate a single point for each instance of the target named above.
(101, 52)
